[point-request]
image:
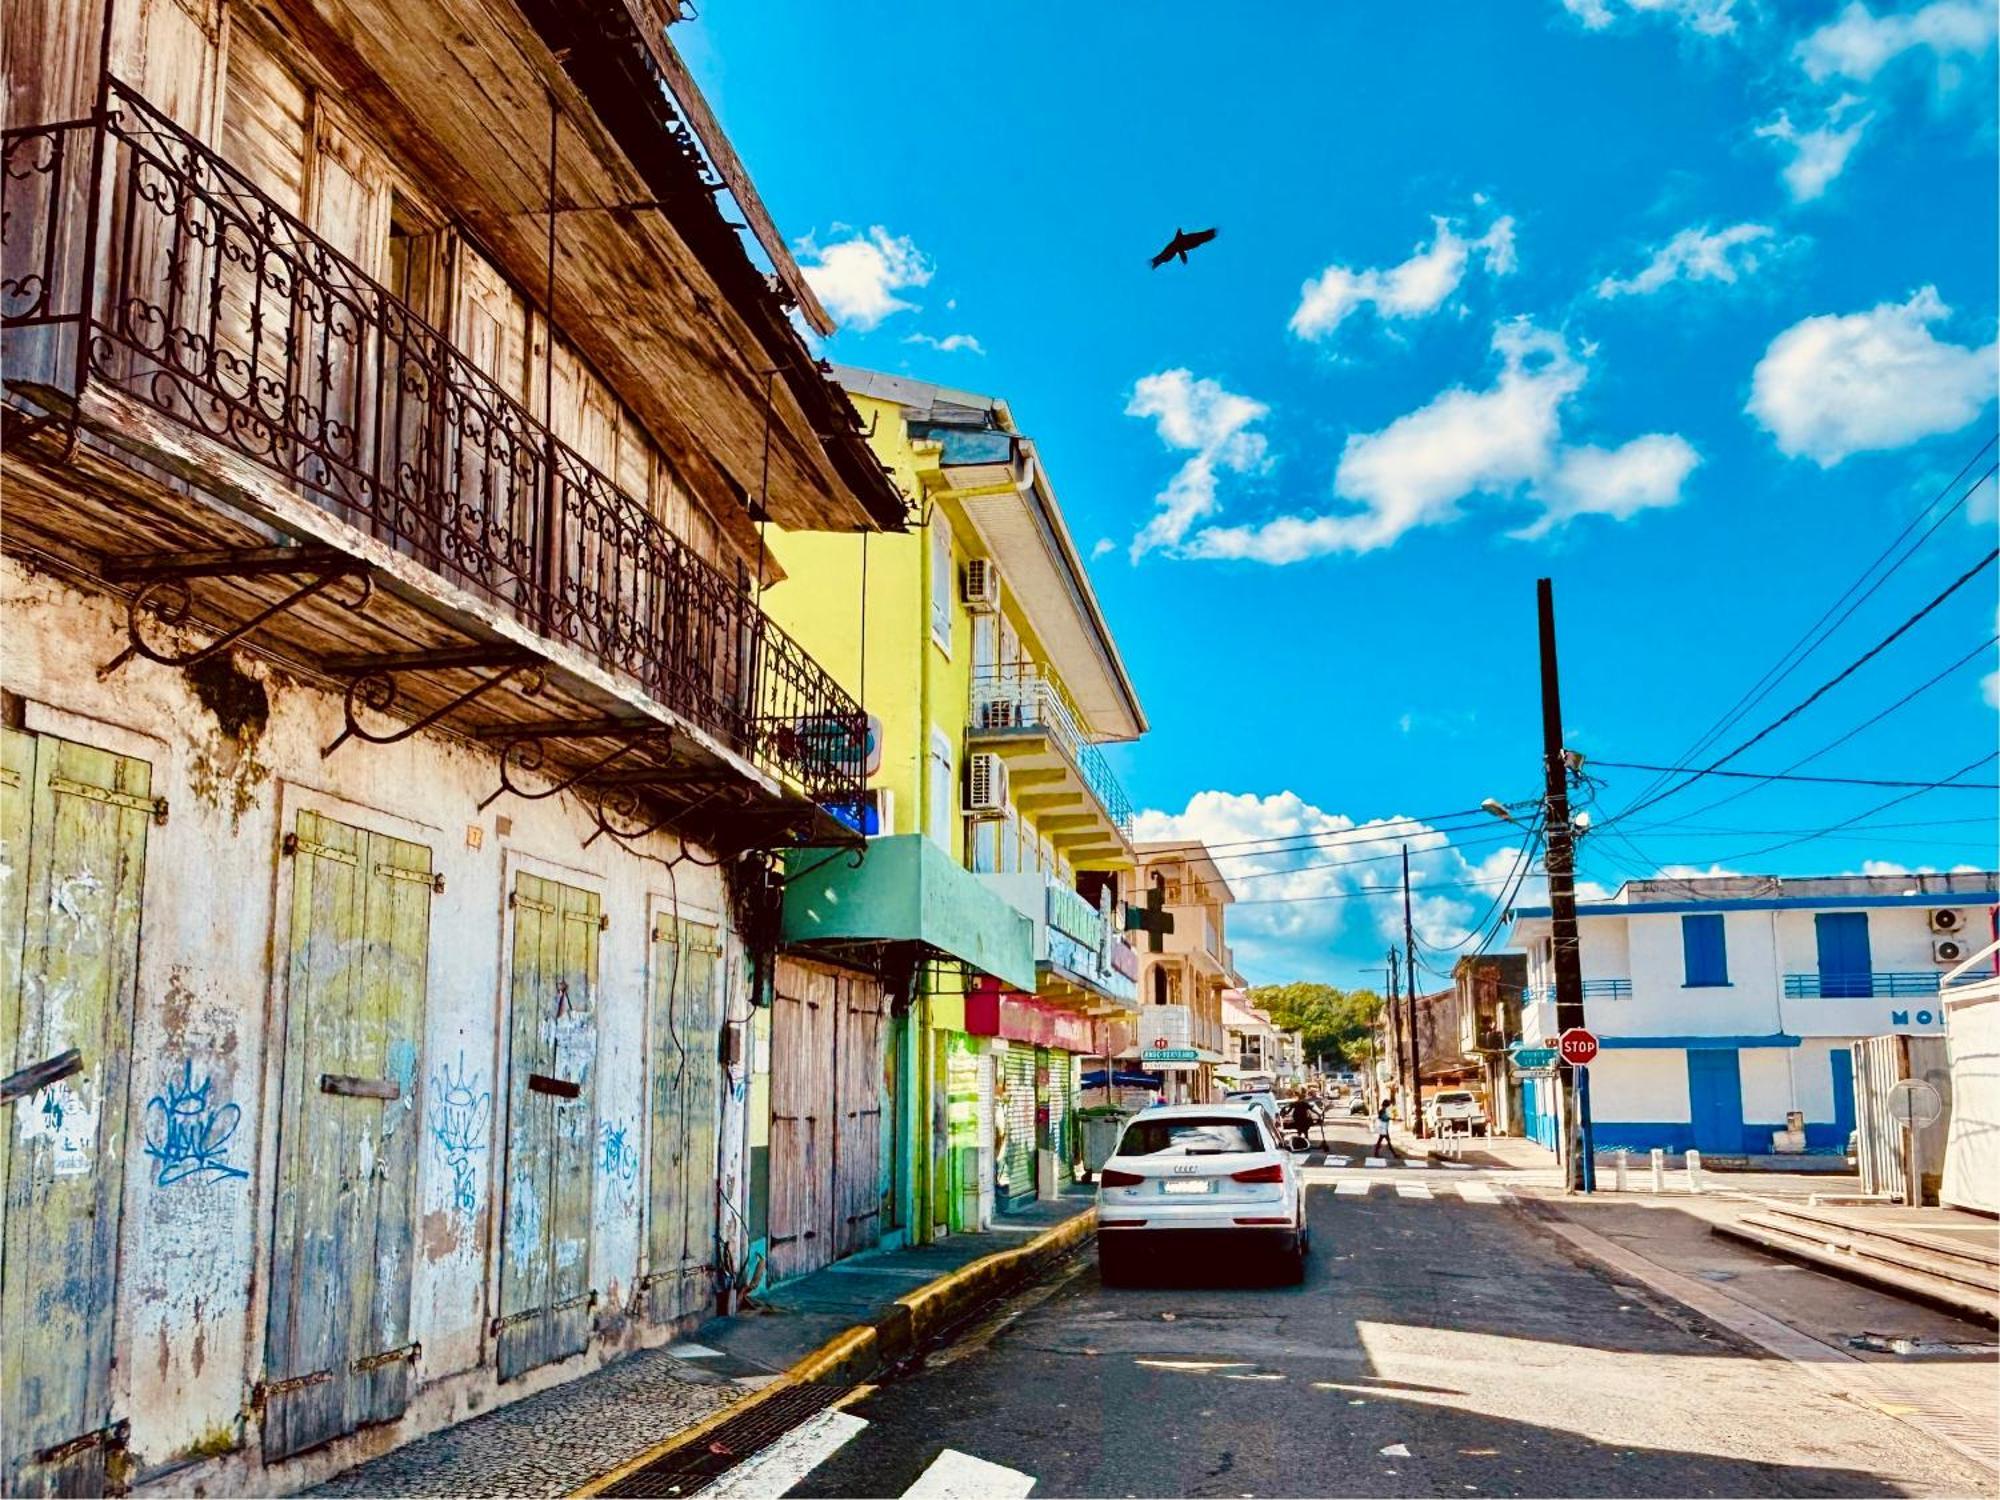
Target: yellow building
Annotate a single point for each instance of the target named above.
(990, 900)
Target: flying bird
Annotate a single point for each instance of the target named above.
(1180, 244)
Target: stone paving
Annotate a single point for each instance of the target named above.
(549, 1443)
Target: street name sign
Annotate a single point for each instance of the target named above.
(1577, 1046)
(1169, 1054)
(1534, 1059)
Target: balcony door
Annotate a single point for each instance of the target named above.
(1844, 960)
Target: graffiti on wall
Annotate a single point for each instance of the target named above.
(63, 1115)
(460, 1114)
(187, 1134)
(618, 1161)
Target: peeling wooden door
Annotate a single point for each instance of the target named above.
(73, 827)
(337, 1347)
(545, 1291)
(686, 1062)
(827, 1096)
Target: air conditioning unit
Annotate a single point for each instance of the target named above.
(982, 586)
(1946, 950)
(1947, 919)
(985, 786)
(999, 713)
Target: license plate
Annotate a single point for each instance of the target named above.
(1187, 1187)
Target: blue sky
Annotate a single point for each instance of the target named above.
(1687, 304)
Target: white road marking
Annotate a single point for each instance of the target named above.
(1412, 1190)
(1353, 1187)
(693, 1351)
(1337, 1161)
(959, 1476)
(1373, 1161)
(1478, 1192)
(777, 1468)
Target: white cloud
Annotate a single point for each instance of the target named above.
(1504, 441)
(1704, 17)
(1104, 548)
(1415, 288)
(1860, 44)
(1832, 386)
(1819, 155)
(1279, 942)
(1198, 417)
(1697, 254)
(1644, 474)
(951, 343)
(858, 278)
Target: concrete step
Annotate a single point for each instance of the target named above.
(1846, 1240)
(1948, 1294)
(1984, 1257)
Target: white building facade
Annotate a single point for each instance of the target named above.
(1723, 1005)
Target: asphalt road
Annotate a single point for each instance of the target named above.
(1441, 1345)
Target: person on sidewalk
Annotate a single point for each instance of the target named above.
(1382, 1141)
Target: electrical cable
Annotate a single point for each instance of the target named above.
(1989, 756)
(1839, 677)
(1805, 645)
(1621, 765)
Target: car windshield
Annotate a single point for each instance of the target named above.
(1189, 1137)
(1454, 1098)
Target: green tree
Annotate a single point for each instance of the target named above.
(1333, 1023)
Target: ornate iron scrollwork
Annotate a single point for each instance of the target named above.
(170, 603)
(378, 693)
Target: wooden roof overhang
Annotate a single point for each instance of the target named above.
(211, 551)
(651, 282)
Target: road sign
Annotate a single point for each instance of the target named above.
(1168, 1054)
(1915, 1103)
(1534, 1072)
(1534, 1059)
(1577, 1046)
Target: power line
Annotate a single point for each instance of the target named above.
(1380, 890)
(1806, 644)
(1827, 832)
(1625, 765)
(1868, 723)
(1821, 691)
(1357, 834)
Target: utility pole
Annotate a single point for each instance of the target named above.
(1560, 843)
(1392, 1032)
(1416, 1021)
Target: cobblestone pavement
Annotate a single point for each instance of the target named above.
(548, 1444)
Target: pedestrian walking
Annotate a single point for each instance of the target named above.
(1382, 1141)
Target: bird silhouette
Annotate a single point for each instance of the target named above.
(1180, 244)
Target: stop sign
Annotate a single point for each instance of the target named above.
(1578, 1046)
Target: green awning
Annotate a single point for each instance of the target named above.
(907, 890)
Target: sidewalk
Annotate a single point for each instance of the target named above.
(837, 1323)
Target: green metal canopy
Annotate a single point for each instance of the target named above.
(907, 889)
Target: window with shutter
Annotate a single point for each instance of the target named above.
(1702, 948)
(944, 579)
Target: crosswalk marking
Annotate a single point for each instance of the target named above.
(959, 1476)
(1353, 1187)
(1477, 1192)
(1412, 1190)
(774, 1470)
(1362, 1187)
(1373, 1161)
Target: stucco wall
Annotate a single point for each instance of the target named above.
(195, 1253)
(1639, 1084)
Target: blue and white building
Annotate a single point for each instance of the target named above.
(1722, 1004)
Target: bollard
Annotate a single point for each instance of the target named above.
(1694, 1170)
(1659, 1170)
(1619, 1179)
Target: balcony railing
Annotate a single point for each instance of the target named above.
(1860, 986)
(1593, 989)
(135, 258)
(1023, 697)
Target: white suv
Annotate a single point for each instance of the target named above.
(1198, 1178)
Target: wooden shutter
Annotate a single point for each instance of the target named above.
(685, 1059)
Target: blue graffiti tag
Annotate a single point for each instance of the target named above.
(619, 1162)
(190, 1139)
(460, 1113)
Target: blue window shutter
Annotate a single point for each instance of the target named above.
(1702, 949)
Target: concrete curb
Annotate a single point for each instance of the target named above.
(858, 1352)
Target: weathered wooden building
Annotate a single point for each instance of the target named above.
(395, 748)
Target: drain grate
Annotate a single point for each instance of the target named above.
(687, 1470)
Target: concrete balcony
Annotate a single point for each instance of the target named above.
(1053, 772)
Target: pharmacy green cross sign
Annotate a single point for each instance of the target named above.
(1153, 918)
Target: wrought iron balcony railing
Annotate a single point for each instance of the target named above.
(1824, 986)
(134, 257)
(1023, 697)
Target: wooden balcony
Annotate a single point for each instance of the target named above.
(213, 413)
